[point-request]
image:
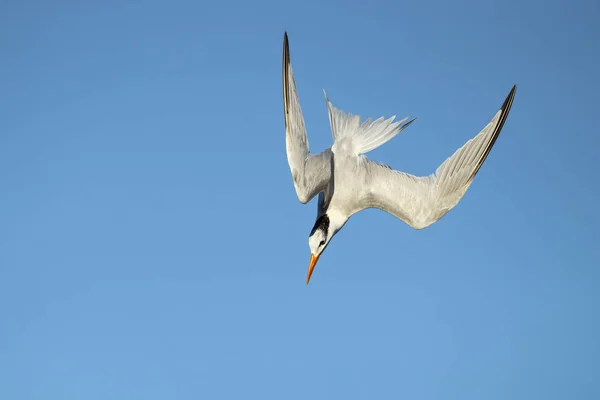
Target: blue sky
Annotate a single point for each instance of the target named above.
(152, 246)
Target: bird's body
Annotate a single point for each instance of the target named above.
(348, 182)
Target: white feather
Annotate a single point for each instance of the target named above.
(360, 137)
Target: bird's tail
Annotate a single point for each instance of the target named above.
(366, 135)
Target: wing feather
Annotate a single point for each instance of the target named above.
(310, 172)
(421, 201)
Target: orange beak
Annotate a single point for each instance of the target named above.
(311, 266)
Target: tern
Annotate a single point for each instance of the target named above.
(348, 182)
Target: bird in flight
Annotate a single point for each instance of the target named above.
(348, 182)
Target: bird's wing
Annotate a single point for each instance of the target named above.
(310, 172)
(363, 136)
(421, 201)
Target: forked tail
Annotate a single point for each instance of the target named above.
(366, 135)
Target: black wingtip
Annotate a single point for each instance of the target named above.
(509, 99)
(504, 110)
(285, 64)
(409, 122)
(286, 47)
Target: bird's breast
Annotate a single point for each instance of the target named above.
(349, 185)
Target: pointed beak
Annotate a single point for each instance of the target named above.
(311, 266)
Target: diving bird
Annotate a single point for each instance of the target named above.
(348, 182)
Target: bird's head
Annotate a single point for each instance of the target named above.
(318, 240)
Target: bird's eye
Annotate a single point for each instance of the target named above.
(322, 243)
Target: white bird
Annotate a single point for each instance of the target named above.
(347, 182)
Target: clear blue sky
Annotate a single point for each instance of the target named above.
(152, 245)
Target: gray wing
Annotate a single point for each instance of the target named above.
(421, 201)
(310, 172)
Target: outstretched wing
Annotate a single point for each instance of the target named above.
(421, 201)
(310, 172)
